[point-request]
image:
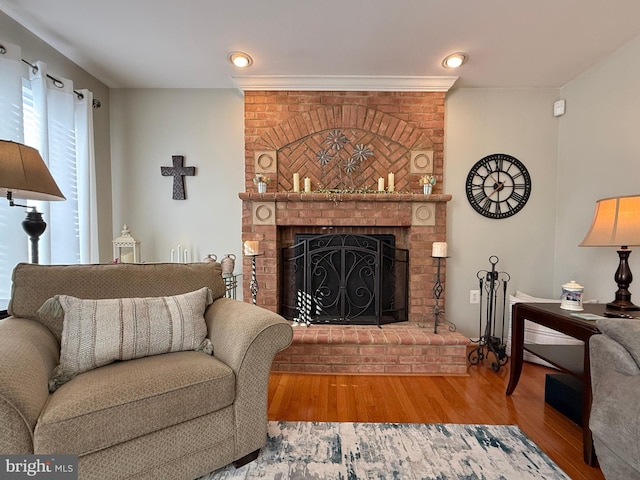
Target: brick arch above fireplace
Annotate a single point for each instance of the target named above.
(353, 116)
(298, 143)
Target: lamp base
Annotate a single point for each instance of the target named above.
(623, 277)
(622, 306)
(34, 226)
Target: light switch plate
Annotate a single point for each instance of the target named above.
(558, 108)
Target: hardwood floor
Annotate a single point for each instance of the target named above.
(477, 398)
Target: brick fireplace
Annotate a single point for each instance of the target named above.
(288, 132)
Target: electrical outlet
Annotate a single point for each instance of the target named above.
(474, 296)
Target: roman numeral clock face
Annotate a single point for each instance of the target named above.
(498, 186)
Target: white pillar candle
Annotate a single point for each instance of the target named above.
(307, 184)
(439, 249)
(391, 182)
(381, 184)
(173, 255)
(296, 182)
(251, 247)
(186, 256)
(179, 259)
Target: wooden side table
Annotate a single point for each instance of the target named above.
(573, 359)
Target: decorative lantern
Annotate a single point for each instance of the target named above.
(126, 249)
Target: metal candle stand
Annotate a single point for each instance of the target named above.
(438, 289)
(253, 283)
(489, 342)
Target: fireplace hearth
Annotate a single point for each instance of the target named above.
(345, 279)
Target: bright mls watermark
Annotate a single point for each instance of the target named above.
(50, 467)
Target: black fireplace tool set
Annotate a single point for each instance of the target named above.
(491, 284)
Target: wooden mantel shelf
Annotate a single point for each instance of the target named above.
(343, 197)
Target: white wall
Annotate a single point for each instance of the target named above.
(518, 122)
(206, 127)
(599, 157)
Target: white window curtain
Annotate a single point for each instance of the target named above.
(59, 123)
(13, 247)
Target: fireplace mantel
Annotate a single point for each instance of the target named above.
(342, 197)
(342, 209)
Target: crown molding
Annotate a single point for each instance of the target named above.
(344, 83)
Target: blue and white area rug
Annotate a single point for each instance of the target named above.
(353, 451)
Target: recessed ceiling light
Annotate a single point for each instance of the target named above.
(241, 59)
(455, 60)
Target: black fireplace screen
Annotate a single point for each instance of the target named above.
(345, 279)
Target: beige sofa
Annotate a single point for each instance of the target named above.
(169, 416)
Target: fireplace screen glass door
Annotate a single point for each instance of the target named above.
(345, 279)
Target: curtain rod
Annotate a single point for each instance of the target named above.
(60, 84)
(57, 82)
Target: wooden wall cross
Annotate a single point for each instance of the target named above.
(178, 172)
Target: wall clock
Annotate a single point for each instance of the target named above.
(498, 186)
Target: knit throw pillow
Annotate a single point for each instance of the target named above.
(99, 332)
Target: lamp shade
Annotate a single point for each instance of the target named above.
(24, 174)
(616, 223)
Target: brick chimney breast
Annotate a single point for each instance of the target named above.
(344, 142)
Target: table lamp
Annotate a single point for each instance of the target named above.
(24, 175)
(616, 223)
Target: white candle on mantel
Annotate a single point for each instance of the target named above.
(251, 247)
(392, 182)
(381, 184)
(179, 253)
(186, 256)
(296, 182)
(439, 249)
(307, 184)
(173, 255)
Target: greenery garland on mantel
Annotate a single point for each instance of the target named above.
(337, 195)
(351, 191)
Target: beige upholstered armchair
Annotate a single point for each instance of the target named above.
(167, 380)
(615, 409)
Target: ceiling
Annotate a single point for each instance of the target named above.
(186, 43)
